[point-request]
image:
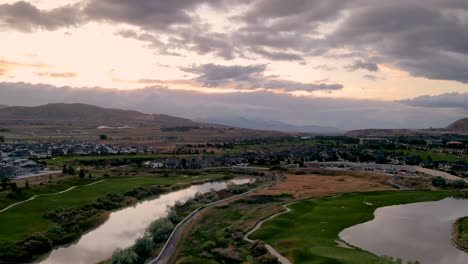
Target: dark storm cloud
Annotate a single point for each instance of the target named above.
(447, 100)
(358, 65)
(26, 17)
(341, 113)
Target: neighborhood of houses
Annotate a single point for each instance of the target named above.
(366, 154)
(17, 159)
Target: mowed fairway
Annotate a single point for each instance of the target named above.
(307, 234)
(24, 219)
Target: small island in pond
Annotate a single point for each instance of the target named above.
(460, 233)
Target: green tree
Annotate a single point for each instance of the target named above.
(82, 173)
(26, 184)
(13, 186)
(103, 137)
(2, 139)
(5, 183)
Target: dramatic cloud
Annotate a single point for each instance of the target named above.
(425, 38)
(296, 86)
(357, 65)
(216, 75)
(341, 113)
(26, 17)
(447, 100)
(147, 14)
(250, 77)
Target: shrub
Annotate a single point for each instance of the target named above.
(439, 182)
(160, 230)
(37, 243)
(143, 247)
(125, 257)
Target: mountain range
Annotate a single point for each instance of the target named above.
(88, 115)
(241, 122)
(93, 115)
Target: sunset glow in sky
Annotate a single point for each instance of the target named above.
(327, 55)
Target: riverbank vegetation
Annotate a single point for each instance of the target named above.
(217, 235)
(325, 218)
(34, 227)
(160, 230)
(460, 233)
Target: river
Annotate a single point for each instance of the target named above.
(419, 231)
(125, 226)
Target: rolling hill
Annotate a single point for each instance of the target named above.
(88, 115)
(459, 125)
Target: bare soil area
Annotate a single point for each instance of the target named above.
(317, 185)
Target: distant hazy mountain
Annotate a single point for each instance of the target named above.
(3, 106)
(88, 114)
(459, 125)
(269, 125)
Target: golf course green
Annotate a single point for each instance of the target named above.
(308, 233)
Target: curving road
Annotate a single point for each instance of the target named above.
(171, 244)
(46, 194)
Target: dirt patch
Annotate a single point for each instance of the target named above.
(414, 183)
(315, 185)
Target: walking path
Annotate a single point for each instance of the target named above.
(270, 249)
(171, 244)
(47, 194)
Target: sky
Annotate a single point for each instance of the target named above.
(344, 63)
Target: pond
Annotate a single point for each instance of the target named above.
(125, 226)
(419, 231)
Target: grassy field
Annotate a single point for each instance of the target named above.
(27, 218)
(307, 234)
(64, 159)
(435, 155)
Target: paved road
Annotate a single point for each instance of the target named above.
(171, 244)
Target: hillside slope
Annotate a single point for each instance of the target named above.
(459, 125)
(88, 114)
